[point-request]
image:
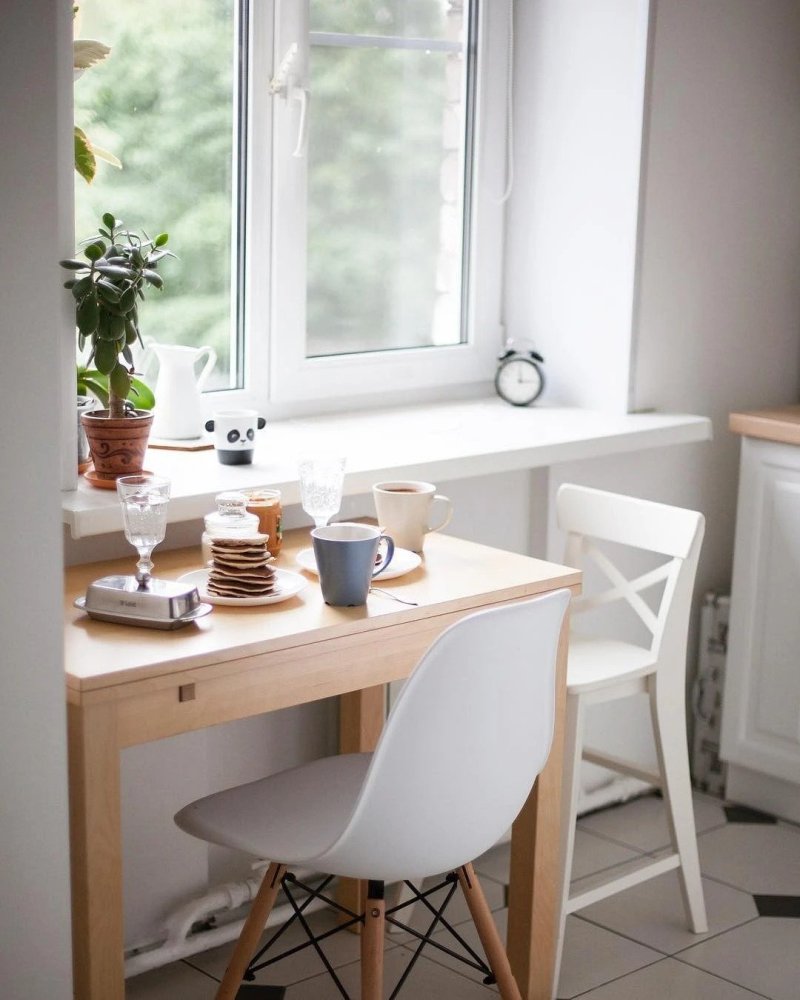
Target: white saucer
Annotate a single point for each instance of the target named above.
(289, 584)
(403, 561)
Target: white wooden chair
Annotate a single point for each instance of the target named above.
(601, 669)
(458, 756)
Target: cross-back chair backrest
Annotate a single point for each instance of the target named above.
(463, 744)
(589, 516)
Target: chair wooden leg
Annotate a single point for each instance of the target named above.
(253, 926)
(570, 790)
(669, 728)
(487, 932)
(372, 943)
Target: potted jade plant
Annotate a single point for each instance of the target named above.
(107, 287)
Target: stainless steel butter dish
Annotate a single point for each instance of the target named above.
(163, 604)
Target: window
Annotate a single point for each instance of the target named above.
(163, 102)
(330, 174)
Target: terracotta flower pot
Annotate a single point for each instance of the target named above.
(117, 446)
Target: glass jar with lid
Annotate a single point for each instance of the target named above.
(231, 519)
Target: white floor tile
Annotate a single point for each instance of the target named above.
(653, 914)
(593, 956)
(427, 981)
(592, 854)
(341, 949)
(757, 857)
(669, 980)
(642, 823)
(763, 956)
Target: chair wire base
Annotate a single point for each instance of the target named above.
(290, 885)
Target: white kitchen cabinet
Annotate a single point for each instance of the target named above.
(761, 711)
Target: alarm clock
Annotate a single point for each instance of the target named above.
(519, 379)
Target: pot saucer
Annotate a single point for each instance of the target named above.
(92, 477)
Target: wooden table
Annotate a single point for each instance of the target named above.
(127, 686)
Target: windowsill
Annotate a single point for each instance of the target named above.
(437, 442)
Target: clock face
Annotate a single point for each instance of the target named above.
(519, 381)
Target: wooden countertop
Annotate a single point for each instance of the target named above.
(782, 424)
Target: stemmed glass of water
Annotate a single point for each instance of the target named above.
(321, 482)
(144, 500)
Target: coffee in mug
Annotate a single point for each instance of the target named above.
(347, 559)
(404, 511)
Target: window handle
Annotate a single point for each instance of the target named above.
(283, 85)
(303, 96)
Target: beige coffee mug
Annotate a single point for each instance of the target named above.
(404, 507)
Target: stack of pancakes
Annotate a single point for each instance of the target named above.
(240, 567)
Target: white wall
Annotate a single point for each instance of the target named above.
(35, 179)
(570, 255)
(716, 295)
(719, 308)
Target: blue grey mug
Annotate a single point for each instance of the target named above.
(347, 559)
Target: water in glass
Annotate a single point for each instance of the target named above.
(144, 500)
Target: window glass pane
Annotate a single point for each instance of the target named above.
(163, 103)
(423, 18)
(386, 175)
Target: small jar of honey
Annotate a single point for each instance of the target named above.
(266, 505)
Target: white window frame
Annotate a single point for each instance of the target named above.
(279, 379)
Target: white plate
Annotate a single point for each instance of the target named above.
(289, 584)
(403, 561)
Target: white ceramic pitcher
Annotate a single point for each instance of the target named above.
(178, 411)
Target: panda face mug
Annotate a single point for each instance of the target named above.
(234, 435)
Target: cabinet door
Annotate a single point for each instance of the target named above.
(761, 718)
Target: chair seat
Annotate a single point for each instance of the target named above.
(595, 663)
(291, 817)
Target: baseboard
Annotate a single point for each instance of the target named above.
(762, 791)
(617, 790)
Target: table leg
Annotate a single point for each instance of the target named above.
(535, 883)
(95, 853)
(361, 717)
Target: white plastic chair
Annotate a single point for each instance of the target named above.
(458, 756)
(605, 669)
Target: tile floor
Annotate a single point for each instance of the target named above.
(631, 946)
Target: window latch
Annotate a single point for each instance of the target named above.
(283, 85)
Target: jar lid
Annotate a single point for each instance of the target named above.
(231, 516)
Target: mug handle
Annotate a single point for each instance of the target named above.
(448, 512)
(387, 556)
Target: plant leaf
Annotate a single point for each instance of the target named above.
(106, 356)
(74, 265)
(117, 326)
(153, 277)
(82, 286)
(106, 156)
(108, 290)
(95, 250)
(144, 398)
(85, 162)
(87, 314)
(114, 270)
(87, 52)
